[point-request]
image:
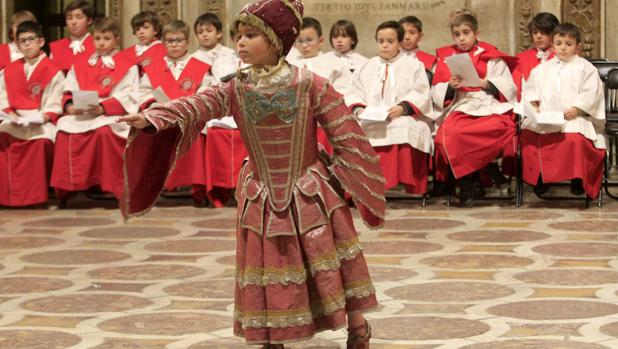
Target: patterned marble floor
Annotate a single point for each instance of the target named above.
(544, 276)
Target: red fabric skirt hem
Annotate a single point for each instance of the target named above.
(403, 164)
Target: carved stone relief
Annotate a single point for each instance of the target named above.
(586, 15)
(526, 10)
(167, 9)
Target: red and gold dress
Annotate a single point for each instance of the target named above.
(299, 265)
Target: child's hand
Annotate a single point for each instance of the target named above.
(135, 120)
(46, 118)
(95, 110)
(394, 112)
(484, 84)
(571, 113)
(71, 110)
(455, 81)
(14, 117)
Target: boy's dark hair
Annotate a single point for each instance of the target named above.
(568, 29)
(463, 16)
(391, 25)
(310, 22)
(413, 20)
(208, 19)
(83, 5)
(544, 22)
(345, 28)
(176, 26)
(29, 27)
(106, 24)
(18, 17)
(147, 17)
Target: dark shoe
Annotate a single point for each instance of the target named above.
(439, 189)
(540, 188)
(577, 187)
(466, 193)
(358, 337)
(272, 346)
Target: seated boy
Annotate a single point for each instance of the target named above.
(476, 124)
(10, 52)
(222, 60)
(343, 39)
(413, 28)
(309, 44)
(540, 29)
(574, 151)
(397, 83)
(30, 86)
(147, 28)
(78, 46)
(89, 143)
(177, 75)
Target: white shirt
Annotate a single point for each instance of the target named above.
(327, 67)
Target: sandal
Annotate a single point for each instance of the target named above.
(357, 341)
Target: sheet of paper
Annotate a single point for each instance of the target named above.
(160, 95)
(4, 117)
(553, 118)
(84, 99)
(34, 117)
(374, 114)
(461, 65)
(225, 122)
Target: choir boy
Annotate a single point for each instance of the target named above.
(78, 16)
(574, 151)
(476, 124)
(147, 28)
(413, 27)
(343, 39)
(178, 75)
(222, 60)
(10, 52)
(397, 83)
(89, 143)
(30, 88)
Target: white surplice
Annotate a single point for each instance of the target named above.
(381, 83)
(562, 85)
(326, 66)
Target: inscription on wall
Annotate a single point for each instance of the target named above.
(386, 7)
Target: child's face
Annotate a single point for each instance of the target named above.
(388, 43)
(146, 33)
(104, 42)
(411, 38)
(30, 45)
(176, 44)
(565, 47)
(309, 42)
(254, 48)
(541, 40)
(463, 35)
(77, 23)
(208, 36)
(342, 43)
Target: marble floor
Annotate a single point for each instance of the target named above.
(544, 276)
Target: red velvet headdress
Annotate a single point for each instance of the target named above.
(280, 20)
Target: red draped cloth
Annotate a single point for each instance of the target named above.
(225, 153)
(405, 165)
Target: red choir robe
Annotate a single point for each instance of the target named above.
(66, 52)
(297, 247)
(8, 54)
(577, 148)
(143, 55)
(26, 151)
(427, 59)
(528, 60)
(192, 76)
(89, 149)
(474, 128)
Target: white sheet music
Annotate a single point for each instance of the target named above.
(84, 99)
(461, 65)
(225, 122)
(34, 117)
(553, 118)
(374, 114)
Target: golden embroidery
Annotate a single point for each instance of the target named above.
(365, 156)
(339, 121)
(268, 276)
(353, 166)
(347, 136)
(359, 289)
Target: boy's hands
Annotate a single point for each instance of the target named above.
(71, 110)
(394, 112)
(135, 120)
(571, 113)
(455, 81)
(95, 110)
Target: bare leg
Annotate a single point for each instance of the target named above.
(359, 331)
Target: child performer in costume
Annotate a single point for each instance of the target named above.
(569, 84)
(299, 264)
(476, 124)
